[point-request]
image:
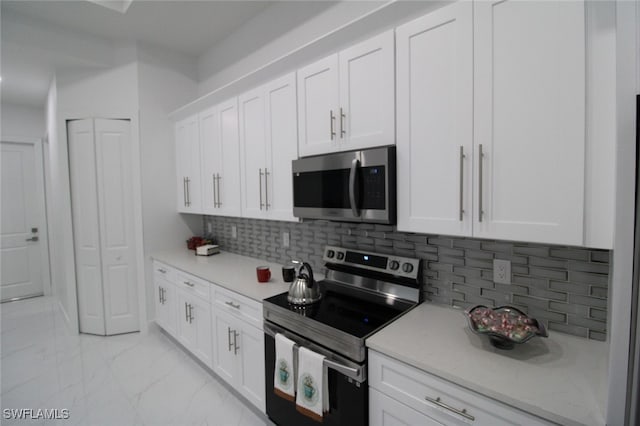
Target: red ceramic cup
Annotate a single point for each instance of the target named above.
(264, 274)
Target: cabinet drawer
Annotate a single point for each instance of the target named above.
(247, 309)
(193, 285)
(440, 399)
(163, 271)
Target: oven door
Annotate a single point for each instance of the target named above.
(352, 186)
(348, 389)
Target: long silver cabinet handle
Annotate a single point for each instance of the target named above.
(235, 342)
(462, 157)
(214, 190)
(218, 189)
(186, 312)
(191, 317)
(332, 119)
(189, 284)
(32, 239)
(439, 403)
(260, 186)
(233, 305)
(266, 189)
(480, 161)
(188, 193)
(160, 295)
(164, 298)
(229, 338)
(343, 132)
(184, 190)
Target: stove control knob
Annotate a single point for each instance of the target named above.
(407, 267)
(330, 254)
(340, 255)
(394, 265)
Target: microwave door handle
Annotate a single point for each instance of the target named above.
(352, 187)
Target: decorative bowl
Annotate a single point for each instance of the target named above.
(505, 325)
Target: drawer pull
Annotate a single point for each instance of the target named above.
(189, 284)
(162, 271)
(233, 305)
(439, 403)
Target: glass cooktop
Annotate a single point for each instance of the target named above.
(349, 314)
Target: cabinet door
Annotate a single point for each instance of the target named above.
(166, 306)
(228, 179)
(211, 158)
(224, 358)
(282, 147)
(186, 330)
(252, 152)
(170, 307)
(435, 122)
(251, 371)
(529, 103)
(318, 107)
(386, 411)
(200, 319)
(188, 165)
(367, 115)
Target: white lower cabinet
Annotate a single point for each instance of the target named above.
(220, 327)
(194, 325)
(404, 395)
(386, 411)
(238, 355)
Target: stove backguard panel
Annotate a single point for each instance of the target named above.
(565, 287)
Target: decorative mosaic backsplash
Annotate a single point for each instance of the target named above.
(565, 287)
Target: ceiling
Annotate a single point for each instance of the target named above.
(188, 27)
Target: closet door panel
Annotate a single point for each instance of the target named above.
(84, 206)
(113, 167)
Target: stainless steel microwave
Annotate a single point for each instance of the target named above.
(354, 186)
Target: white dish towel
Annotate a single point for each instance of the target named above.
(312, 398)
(284, 378)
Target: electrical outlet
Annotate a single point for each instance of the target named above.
(501, 271)
(285, 239)
(234, 232)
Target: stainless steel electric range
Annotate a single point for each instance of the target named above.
(362, 293)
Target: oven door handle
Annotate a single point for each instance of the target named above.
(357, 374)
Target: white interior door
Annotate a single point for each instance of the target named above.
(86, 226)
(102, 208)
(115, 203)
(24, 255)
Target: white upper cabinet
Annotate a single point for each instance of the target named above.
(268, 145)
(491, 121)
(220, 143)
(346, 101)
(435, 122)
(188, 165)
(529, 105)
(318, 104)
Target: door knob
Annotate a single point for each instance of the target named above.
(32, 239)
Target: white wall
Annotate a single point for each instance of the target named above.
(166, 81)
(110, 92)
(22, 121)
(277, 31)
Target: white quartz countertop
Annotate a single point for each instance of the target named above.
(561, 378)
(232, 271)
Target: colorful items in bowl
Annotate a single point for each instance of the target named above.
(504, 325)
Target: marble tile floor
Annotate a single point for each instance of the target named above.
(129, 379)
